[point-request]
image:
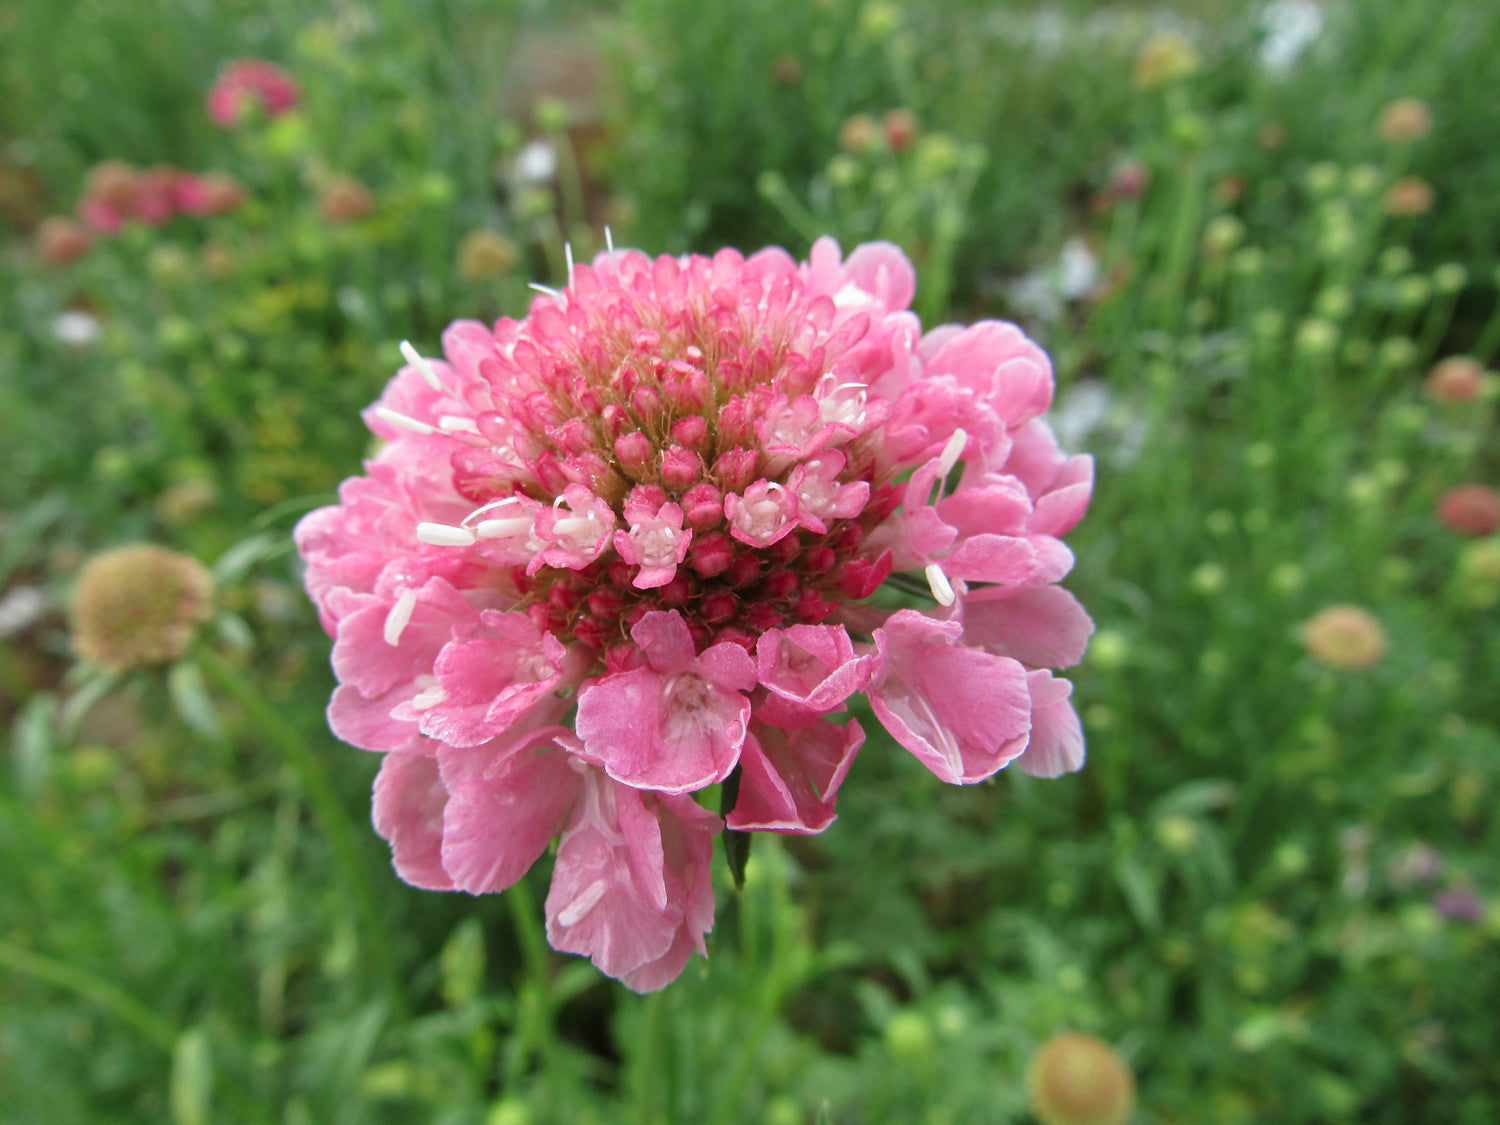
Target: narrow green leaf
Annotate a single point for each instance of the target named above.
(191, 1087)
(736, 844)
(191, 700)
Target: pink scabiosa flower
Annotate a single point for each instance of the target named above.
(624, 550)
(251, 82)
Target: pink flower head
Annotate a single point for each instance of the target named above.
(251, 82)
(618, 552)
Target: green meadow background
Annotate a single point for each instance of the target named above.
(1274, 886)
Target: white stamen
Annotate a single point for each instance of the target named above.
(571, 525)
(445, 535)
(396, 418)
(609, 241)
(453, 424)
(430, 698)
(503, 529)
(574, 912)
(547, 289)
(568, 253)
(396, 620)
(938, 581)
(952, 452)
(424, 368)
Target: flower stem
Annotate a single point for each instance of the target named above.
(331, 816)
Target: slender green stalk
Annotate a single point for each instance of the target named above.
(98, 991)
(330, 814)
(534, 1002)
(648, 1054)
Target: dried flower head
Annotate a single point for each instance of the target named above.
(1405, 120)
(1166, 57)
(486, 254)
(1455, 380)
(251, 83)
(901, 129)
(1410, 195)
(858, 134)
(60, 241)
(343, 199)
(620, 551)
(1470, 509)
(1344, 636)
(1078, 1079)
(139, 605)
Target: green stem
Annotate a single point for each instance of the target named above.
(96, 990)
(648, 1052)
(534, 1003)
(330, 814)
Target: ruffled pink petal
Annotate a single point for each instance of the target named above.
(964, 713)
(608, 899)
(490, 674)
(1056, 745)
(789, 780)
(408, 811)
(1058, 511)
(1043, 626)
(812, 665)
(368, 723)
(508, 800)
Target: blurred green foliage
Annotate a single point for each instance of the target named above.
(1273, 886)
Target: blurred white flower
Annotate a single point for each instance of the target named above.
(1291, 26)
(1043, 292)
(76, 329)
(20, 608)
(536, 163)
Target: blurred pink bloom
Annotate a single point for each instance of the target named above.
(248, 82)
(1470, 509)
(212, 193)
(619, 551)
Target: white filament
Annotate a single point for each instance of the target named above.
(396, 418)
(424, 368)
(445, 535)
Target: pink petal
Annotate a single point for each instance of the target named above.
(508, 800)
(408, 811)
(1056, 745)
(964, 713)
(789, 779)
(1043, 626)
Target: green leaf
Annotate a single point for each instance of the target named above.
(191, 700)
(1140, 892)
(462, 962)
(736, 844)
(35, 737)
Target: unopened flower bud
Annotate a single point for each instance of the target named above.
(486, 254)
(60, 241)
(901, 128)
(1405, 120)
(1166, 57)
(1470, 509)
(1344, 636)
(344, 199)
(139, 605)
(1457, 379)
(1410, 195)
(858, 134)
